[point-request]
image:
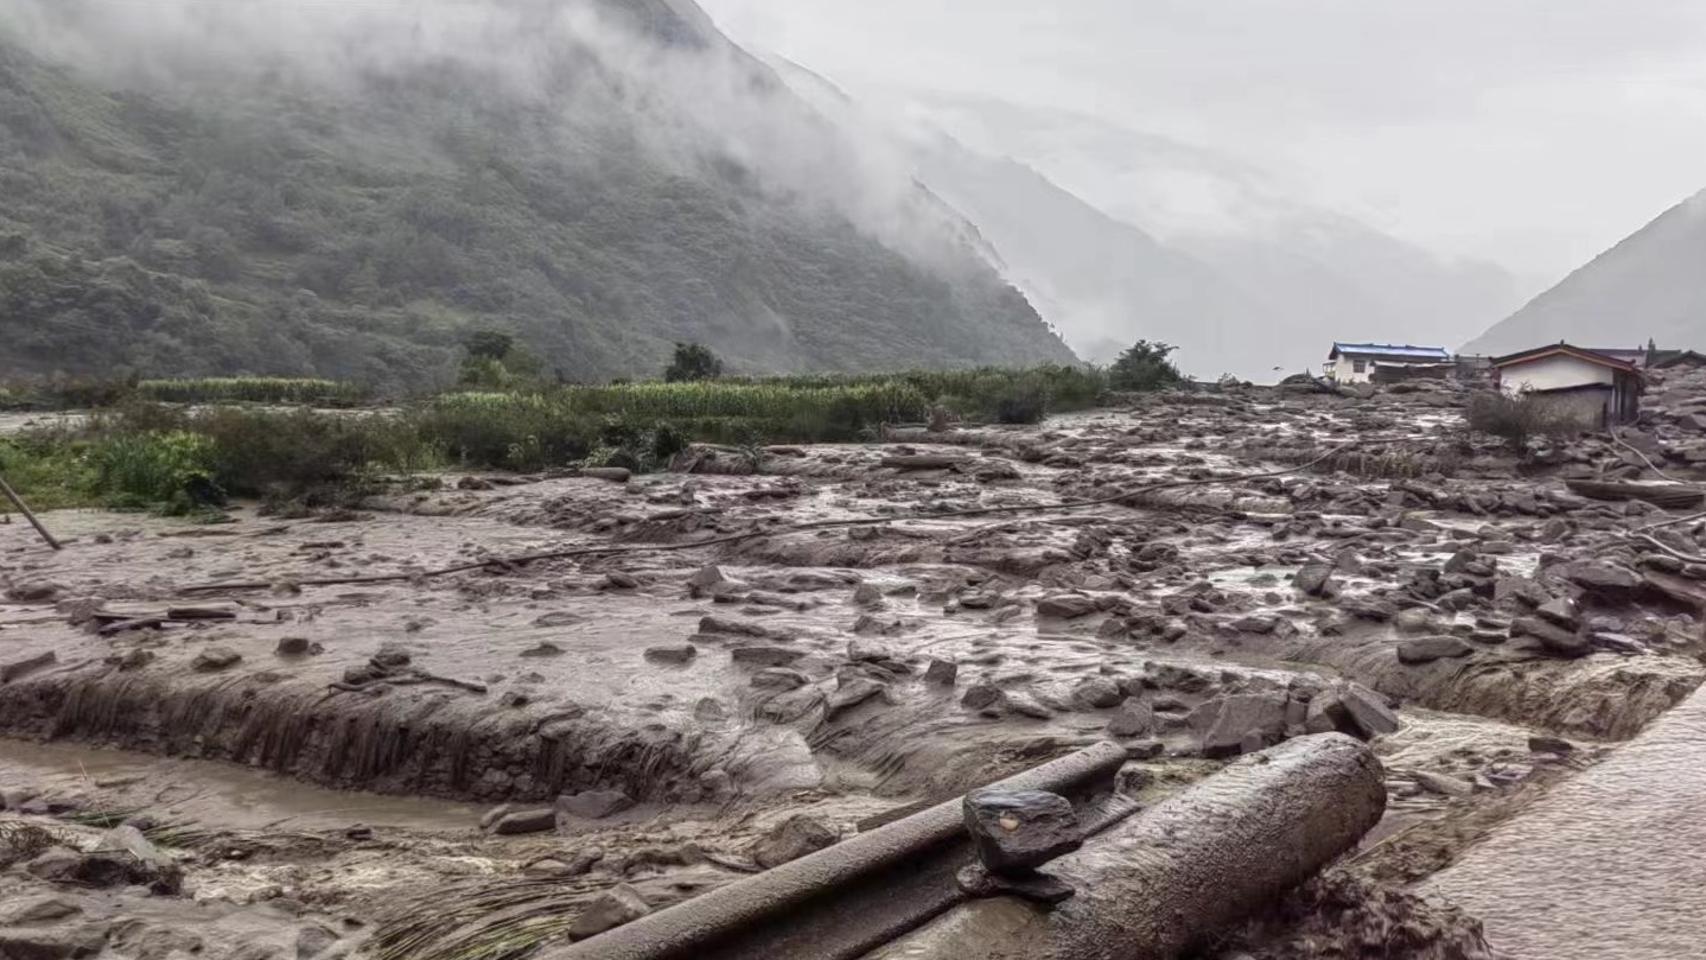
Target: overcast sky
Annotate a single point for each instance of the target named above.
(1534, 133)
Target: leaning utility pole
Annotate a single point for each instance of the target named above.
(23, 508)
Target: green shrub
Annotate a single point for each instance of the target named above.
(1144, 367)
(280, 390)
(692, 361)
(174, 470)
(1516, 419)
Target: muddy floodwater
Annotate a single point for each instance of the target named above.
(331, 740)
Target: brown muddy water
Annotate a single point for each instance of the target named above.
(838, 673)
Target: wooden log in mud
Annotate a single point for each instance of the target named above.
(1670, 496)
(1167, 879)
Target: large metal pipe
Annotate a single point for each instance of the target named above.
(841, 902)
(1192, 867)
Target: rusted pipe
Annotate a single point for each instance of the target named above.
(1199, 863)
(838, 903)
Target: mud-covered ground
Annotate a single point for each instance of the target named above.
(317, 761)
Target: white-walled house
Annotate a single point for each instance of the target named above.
(1357, 362)
(1600, 388)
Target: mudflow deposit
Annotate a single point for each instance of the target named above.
(298, 738)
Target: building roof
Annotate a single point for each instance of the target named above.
(1563, 349)
(1389, 351)
(1673, 358)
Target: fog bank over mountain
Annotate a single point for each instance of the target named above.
(346, 189)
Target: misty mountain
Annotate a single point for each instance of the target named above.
(1230, 267)
(1650, 286)
(198, 189)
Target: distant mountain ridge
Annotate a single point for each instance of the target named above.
(1243, 278)
(1650, 286)
(645, 182)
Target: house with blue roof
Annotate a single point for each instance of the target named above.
(1356, 362)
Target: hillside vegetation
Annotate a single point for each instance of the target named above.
(357, 231)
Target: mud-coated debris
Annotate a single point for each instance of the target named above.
(1557, 640)
(209, 611)
(611, 909)
(1066, 606)
(613, 474)
(543, 648)
(1016, 831)
(1443, 784)
(617, 580)
(1429, 649)
(1144, 749)
(676, 653)
(16, 669)
(1240, 715)
(535, 820)
(765, 656)
(593, 804)
(1040, 888)
(1561, 612)
(792, 839)
(942, 673)
(215, 658)
(359, 832)
(391, 656)
(1097, 693)
(313, 940)
(1026, 705)
(1132, 718)
(557, 618)
(710, 710)
(867, 595)
(1605, 580)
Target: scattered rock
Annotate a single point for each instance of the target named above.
(942, 673)
(765, 656)
(1133, 718)
(313, 940)
(1240, 715)
(1097, 693)
(214, 659)
(543, 648)
(675, 653)
(1546, 744)
(294, 647)
(1561, 612)
(1602, 579)
(536, 820)
(1316, 580)
(1066, 606)
(594, 804)
(1555, 639)
(867, 595)
(792, 839)
(1016, 831)
(617, 580)
(981, 695)
(611, 909)
(1429, 649)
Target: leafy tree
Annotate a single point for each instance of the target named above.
(693, 361)
(1144, 367)
(488, 344)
